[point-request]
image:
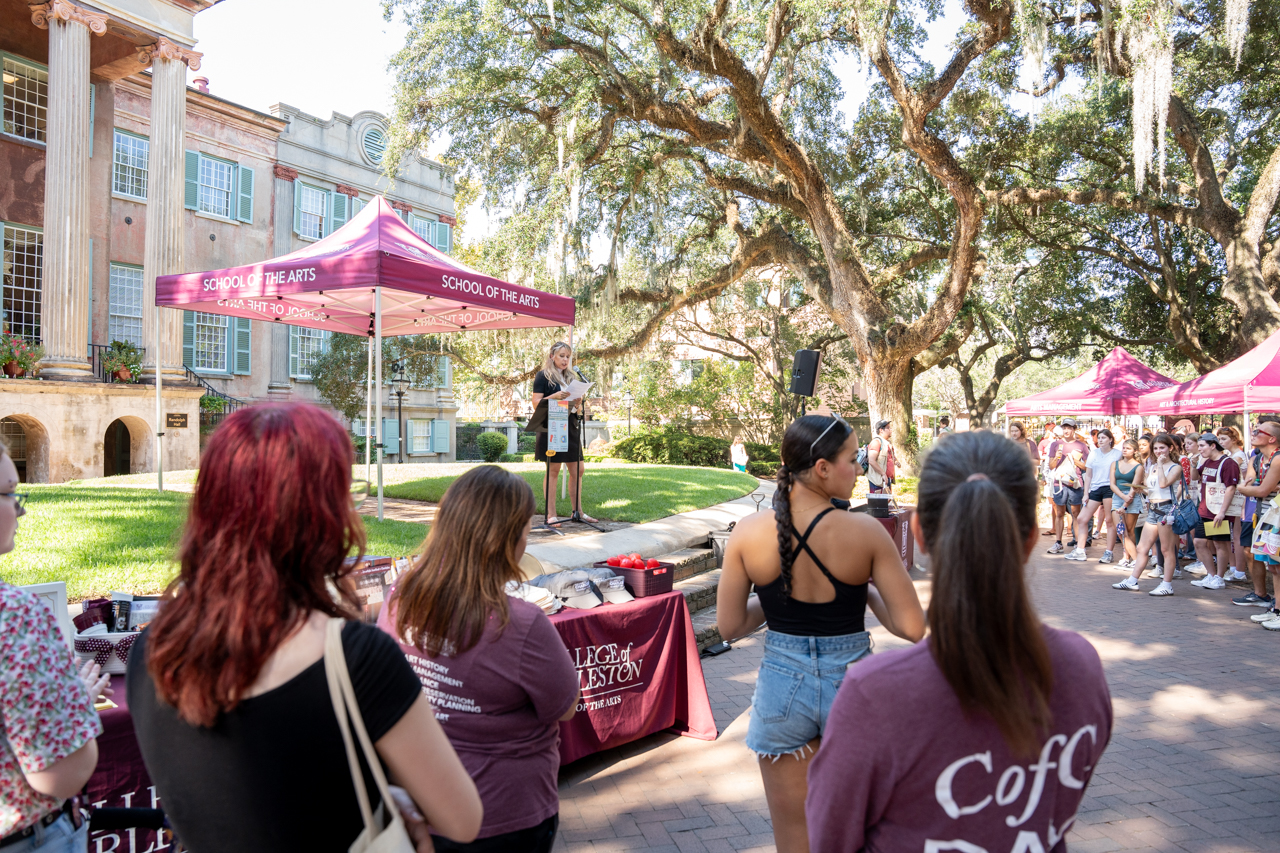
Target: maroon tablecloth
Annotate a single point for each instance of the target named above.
(639, 668)
(121, 780)
(640, 673)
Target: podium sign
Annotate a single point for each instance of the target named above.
(557, 426)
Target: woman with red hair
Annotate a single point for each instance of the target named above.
(227, 686)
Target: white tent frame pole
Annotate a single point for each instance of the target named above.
(160, 404)
(377, 345)
(368, 411)
(1246, 413)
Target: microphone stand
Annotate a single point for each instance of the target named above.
(582, 463)
(537, 425)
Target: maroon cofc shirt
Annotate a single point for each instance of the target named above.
(902, 767)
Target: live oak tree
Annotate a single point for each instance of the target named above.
(595, 107)
(1196, 226)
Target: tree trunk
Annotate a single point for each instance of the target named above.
(1245, 289)
(889, 383)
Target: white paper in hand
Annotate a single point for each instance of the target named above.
(577, 389)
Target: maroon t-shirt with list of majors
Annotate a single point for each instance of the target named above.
(500, 703)
(902, 767)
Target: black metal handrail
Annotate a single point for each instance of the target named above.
(95, 361)
(229, 404)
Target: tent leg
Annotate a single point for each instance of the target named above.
(377, 345)
(368, 412)
(159, 408)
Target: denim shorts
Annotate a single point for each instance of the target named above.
(1136, 506)
(798, 680)
(1158, 514)
(58, 837)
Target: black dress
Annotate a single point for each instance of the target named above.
(546, 387)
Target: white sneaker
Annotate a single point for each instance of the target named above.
(1078, 555)
(1214, 582)
(1196, 568)
(1126, 563)
(1237, 575)
(1177, 573)
(1106, 557)
(1163, 589)
(1156, 572)
(1265, 617)
(1200, 582)
(1273, 625)
(1130, 583)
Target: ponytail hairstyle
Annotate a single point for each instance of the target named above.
(807, 440)
(977, 506)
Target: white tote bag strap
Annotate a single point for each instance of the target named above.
(335, 669)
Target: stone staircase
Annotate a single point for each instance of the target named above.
(697, 577)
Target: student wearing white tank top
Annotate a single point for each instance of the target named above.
(1160, 478)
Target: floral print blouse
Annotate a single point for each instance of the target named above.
(45, 711)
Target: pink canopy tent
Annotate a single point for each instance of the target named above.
(373, 276)
(1110, 387)
(1250, 383)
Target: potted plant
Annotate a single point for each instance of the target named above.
(122, 361)
(18, 356)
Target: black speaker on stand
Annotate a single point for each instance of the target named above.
(804, 373)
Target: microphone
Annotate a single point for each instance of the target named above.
(578, 371)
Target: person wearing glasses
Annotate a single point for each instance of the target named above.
(812, 592)
(880, 460)
(227, 687)
(48, 728)
(1260, 485)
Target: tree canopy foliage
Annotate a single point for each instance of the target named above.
(987, 206)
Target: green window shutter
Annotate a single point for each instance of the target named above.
(293, 352)
(93, 97)
(339, 208)
(390, 437)
(443, 234)
(245, 213)
(408, 435)
(297, 207)
(440, 436)
(192, 197)
(241, 331)
(188, 338)
(442, 372)
(357, 205)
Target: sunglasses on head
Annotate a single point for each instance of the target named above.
(834, 420)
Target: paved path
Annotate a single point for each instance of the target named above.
(1193, 765)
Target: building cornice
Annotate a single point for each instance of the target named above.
(63, 10)
(140, 84)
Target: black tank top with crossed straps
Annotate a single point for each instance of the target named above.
(845, 614)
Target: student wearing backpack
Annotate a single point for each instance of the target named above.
(1067, 461)
(880, 461)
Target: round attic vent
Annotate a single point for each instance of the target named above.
(374, 143)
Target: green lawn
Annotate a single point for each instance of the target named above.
(102, 538)
(634, 493)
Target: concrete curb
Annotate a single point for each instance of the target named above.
(654, 539)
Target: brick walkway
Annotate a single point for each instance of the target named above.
(1194, 762)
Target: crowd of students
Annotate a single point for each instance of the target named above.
(1132, 492)
(271, 718)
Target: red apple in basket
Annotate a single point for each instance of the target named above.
(615, 562)
(635, 556)
(652, 564)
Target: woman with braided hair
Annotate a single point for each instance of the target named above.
(812, 591)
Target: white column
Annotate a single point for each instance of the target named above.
(162, 248)
(64, 322)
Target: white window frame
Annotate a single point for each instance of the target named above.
(222, 337)
(26, 280)
(32, 110)
(420, 435)
(124, 298)
(316, 342)
(230, 190)
(129, 169)
(323, 213)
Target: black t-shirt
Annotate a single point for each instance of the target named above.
(545, 386)
(272, 773)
